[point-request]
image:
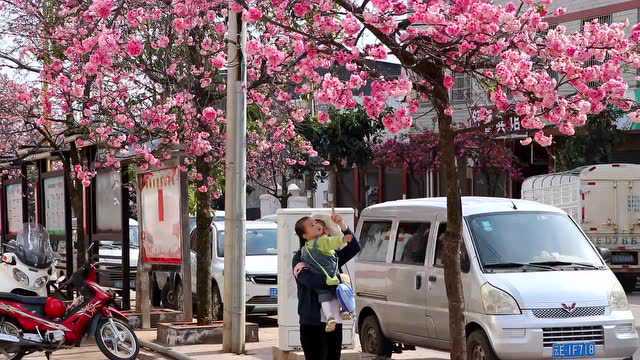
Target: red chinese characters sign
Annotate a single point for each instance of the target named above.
(160, 213)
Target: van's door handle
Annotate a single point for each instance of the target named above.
(433, 278)
(418, 282)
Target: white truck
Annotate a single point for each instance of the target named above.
(605, 201)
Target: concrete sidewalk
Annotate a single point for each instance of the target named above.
(263, 350)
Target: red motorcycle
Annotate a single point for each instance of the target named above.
(31, 324)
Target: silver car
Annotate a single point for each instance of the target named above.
(534, 285)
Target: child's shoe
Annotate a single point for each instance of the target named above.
(331, 325)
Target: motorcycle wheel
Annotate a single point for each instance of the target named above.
(9, 328)
(123, 347)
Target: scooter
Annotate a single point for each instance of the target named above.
(45, 324)
(26, 268)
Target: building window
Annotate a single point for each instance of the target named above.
(605, 19)
(461, 91)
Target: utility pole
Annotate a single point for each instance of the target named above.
(235, 190)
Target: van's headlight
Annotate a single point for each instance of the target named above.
(497, 302)
(618, 299)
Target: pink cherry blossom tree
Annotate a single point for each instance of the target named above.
(54, 100)
(148, 78)
(278, 154)
(519, 67)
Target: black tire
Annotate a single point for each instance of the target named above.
(628, 281)
(372, 339)
(217, 308)
(479, 348)
(104, 328)
(171, 295)
(156, 293)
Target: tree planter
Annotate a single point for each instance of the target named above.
(185, 333)
(157, 316)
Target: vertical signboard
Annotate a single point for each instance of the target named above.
(54, 205)
(161, 217)
(108, 201)
(14, 208)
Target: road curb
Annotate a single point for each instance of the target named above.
(164, 351)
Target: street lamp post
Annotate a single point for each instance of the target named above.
(235, 190)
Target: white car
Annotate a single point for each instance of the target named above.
(110, 258)
(272, 218)
(261, 269)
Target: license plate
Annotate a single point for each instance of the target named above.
(273, 292)
(623, 259)
(574, 350)
(615, 239)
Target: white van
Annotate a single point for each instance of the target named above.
(535, 287)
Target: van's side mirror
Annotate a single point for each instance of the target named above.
(465, 262)
(605, 253)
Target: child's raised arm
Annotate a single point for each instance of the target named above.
(328, 243)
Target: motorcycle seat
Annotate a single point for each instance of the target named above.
(31, 300)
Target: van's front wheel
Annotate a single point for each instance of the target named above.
(479, 348)
(628, 281)
(372, 340)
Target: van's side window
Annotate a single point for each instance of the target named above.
(374, 240)
(411, 243)
(442, 228)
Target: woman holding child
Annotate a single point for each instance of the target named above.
(325, 245)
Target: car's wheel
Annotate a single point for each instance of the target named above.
(372, 339)
(478, 347)
(172, 296)
(217, 308)
(116, 340)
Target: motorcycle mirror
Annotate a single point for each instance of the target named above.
(11, 245)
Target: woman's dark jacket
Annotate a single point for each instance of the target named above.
(308, 304)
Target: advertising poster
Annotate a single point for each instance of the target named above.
(54, 205)
(14, 208)
(160, 212)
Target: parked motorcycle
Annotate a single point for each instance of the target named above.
(45, 324)
(26, 267)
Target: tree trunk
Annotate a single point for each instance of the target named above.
(284, 196)
(77, 204)
(453, 236)
(284, 200)
(203, 249)
(333, 187)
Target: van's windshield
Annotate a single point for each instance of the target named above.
(531, 241)
(259, 242)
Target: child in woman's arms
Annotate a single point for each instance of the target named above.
(322, 241)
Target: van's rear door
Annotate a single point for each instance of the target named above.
(628, 207)
(599, 207)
